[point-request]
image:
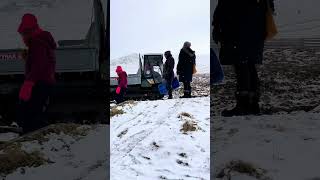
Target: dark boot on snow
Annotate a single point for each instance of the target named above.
(241, 108)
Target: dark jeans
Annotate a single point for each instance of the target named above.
(187, 88)
(120, 97)
(247, 78)
(169, 86)
(31, 114)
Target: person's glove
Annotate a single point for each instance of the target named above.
(26, 90)
(24, 54)
(118, 90)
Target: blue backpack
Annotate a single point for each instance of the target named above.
(175, 83)
(162, 89)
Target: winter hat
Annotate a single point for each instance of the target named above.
(167, 54)
(28, 22)
(186, 44)
(119, 69)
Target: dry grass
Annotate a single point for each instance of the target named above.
(188, 126)
(13, 158)
(115, 112)
(185, 114)
(242, 168)
(68, 129)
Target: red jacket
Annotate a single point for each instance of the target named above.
(123, 79)
(41, 61)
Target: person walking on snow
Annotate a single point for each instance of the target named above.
(122, 85)
(40, 67)
(168, 73)
(186, 68)
(240, 28)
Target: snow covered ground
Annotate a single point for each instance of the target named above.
(165, 139)
(274, 147)
(63, 151)
(284, 142)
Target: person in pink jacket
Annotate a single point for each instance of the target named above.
(40, 64)
(122, 84)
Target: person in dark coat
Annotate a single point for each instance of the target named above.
(122, 84)
(40, 67)
(185, 68)
(240, 28)
(168, 73)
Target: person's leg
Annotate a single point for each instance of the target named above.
(254, 90)
(242, 91)
(189, 89)
(169, 87)
(40, 104)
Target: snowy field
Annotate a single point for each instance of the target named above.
(165, 139)
(62, 151)
(275, 147)
(130, 64)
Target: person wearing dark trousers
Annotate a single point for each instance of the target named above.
(186, 67)
(240, 28)
(168, 73)
(40, 64)
(122, 85)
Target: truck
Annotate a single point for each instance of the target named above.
(81, 65)
(144, 83)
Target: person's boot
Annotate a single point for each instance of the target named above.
(254, 103)
(241, 108)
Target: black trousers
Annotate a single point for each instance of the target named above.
(31, 114)
(187, 88)
(120, 97)
(247, 78)
(169, 86)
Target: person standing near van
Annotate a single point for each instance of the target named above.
(122, 84)
(40, 67)
(186, 68)
(168, 73)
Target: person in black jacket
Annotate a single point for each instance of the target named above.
(240, 28)
(185, 68)
(168, 73)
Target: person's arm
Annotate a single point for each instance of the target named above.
(171, 64)
(179, 65)
(37, 56)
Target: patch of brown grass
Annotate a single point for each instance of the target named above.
(189, 126)
(13, 157)
(243, 168)
(185, 114)
(115, 112)
(68, 129)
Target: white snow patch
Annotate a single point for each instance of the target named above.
(286, 146)
(73, 157)
(146, 141)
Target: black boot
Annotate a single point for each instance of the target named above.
(254, 99)
(242, 106)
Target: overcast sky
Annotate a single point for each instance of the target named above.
(154, 26)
